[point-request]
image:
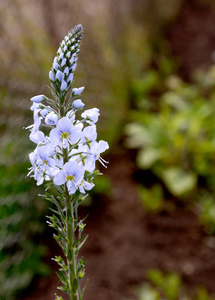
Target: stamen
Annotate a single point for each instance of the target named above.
(64, 135)
(70, 178)
(100, 160)
(107, 162)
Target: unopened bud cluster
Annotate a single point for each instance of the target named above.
(65, 62)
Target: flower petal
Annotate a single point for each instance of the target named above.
(60, 178)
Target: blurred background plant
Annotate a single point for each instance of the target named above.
(169, 286)
(21, 210)
(175, 137)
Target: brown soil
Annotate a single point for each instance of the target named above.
(124, 242)
(192, 35)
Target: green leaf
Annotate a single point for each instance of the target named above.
(138, 135)
(146, 83)
(81, 242)
(152, 199)
(83, 290)
(63, 278)
(178, 181)
(172, 286)
(60, 211)
(156, 277)
(147, 157)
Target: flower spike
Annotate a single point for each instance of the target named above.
(65, 158)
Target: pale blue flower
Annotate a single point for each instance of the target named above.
(45, 111)
(51, 118)
(71, 174)
(37, 119)
(90, 156)
(37, 136)
(97, 149)
(35, 106)
(71, 115)
(38, 168)
(85, 186)
(65, 133)
(91, 115)
(45, 154)
(89, 135)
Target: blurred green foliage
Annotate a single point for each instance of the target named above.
(175, 133)
(206, 210)
(102, 185)
(152, 199)
(21, 210)
(169, 287)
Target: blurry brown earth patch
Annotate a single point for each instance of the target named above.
(192, 36)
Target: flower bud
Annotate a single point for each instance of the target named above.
(70, 78)
(78, 91)
(78, 30)
(59, 75)
(78, 104)
(51, 119)
(38, 98)
(63, 86)
(51, 76)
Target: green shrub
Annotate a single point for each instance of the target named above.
(175, 136)
(177, 141)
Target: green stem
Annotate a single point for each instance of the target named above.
(71, 257)
(62, 111)
(74, 285)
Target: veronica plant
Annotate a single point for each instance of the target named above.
(65, 158)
